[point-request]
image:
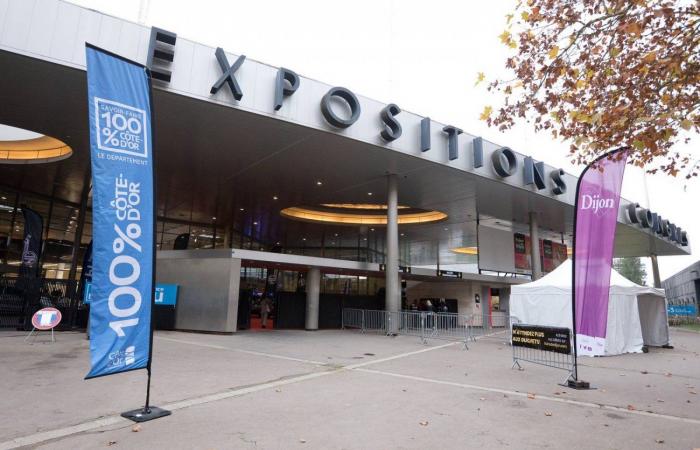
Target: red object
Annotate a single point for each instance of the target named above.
(46, 318)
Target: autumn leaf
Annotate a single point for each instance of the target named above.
(479, 78)
(686, 124)
(486, 113)
(505, 37)
(553, 52)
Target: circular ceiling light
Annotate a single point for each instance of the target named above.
(18, 146)
(359, 214)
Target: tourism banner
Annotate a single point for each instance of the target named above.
(31, 248)
(595, 221)
(123, 231)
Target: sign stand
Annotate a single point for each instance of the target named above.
(148, 412)
(33, 330)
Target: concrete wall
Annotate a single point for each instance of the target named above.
(208, 289)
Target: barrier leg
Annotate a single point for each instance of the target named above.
(516, 363)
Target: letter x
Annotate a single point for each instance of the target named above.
(228, 76)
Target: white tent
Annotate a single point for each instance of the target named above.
(636, 314)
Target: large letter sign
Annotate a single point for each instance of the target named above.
(597, 201)
(122, 191)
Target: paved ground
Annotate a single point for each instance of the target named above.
(337, 389)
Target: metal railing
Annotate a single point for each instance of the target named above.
(21, 297)
(423, 324)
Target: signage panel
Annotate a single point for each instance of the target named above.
(551, 339)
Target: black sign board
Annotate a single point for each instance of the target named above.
(551, 339)
(449, 274)
(402, 269)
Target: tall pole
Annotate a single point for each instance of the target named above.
(535, 247)
(393, 291)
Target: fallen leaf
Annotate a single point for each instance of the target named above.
(136, 428)
(623, 375)
(644, 372)
(482, 399)
(659, 400)
(603, 390)
(303, 441)
(659, 441)
(110, 443)
(530, 395)
(278, 390)
(631, 407)
(547, 413)
(423, 423)
(693, 392)
(668, 374)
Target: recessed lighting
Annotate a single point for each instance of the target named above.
(446, 228)
(369, 193)
(371, 229)
(277, 243)
(213, 218)
(303, 239)
(365, 239)
(402, 234)
(319, 183)
(4, 198)
(336, 234)
(333, 243)
(242, 209)
(255, 223)
(274, 197)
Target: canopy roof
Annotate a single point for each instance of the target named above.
(560, 279)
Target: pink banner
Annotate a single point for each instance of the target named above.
(597, 203)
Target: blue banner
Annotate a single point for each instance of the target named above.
(122, 213)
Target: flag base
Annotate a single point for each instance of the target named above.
(578, 384)
(144, 415)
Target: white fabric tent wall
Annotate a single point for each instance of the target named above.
(636, 314)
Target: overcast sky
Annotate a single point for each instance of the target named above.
(423, 56)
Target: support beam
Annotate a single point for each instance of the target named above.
(535, 247)
(393, 288)
(655, 270)
(313, 289)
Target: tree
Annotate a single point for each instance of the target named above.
(632, 269)
(601, 74)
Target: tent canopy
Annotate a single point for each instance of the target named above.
(636, 314)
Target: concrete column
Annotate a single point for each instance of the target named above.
(393, 287)
(313, 288)
(655, 270)
(535, 247)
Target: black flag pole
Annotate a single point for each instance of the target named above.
(149, 412)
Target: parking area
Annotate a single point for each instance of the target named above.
(345, 389)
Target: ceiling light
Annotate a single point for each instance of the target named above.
(4, 198)
(303, 239)
(255, 223)
(369, 193)
(466, 250)
(274, 197)
(213, 218)
(319, 183)
(242, 209)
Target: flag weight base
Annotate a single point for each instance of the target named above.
(144, 415)
(578, 384)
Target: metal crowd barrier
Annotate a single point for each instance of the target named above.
(552, 359)
(423, 324)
